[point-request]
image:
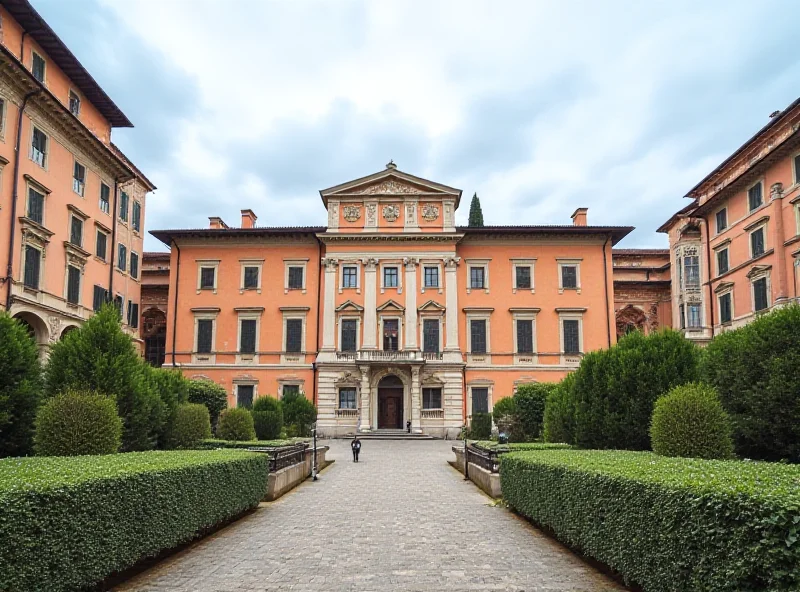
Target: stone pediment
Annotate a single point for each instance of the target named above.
(390, 305)
(349, 306)
(431, 306)
(390, 182)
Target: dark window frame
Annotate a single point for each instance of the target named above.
(693, 321)
(569, 282)
(391, 336)
(105, 198)
(432, 397)
(248, 281)
(134, 265)
(32, 274)
(760, 300)
(483, 395)
(723, 264)
(753, 195)
(249, 392)
(38, 67)
(524, 337)
(97, 243)
(76, 224)
(350, 400)
(294, 282)
(248, 336)
(204, 283)
(430, 276)
(724, 224)
(349, 276)
(294, 335)
(348, 337)
(136, 216)
(726, 308)
(478, 338)
(431, 335)
(477, 277)
(73, 284)
(39, 149)
(527, 282)
(391, 272)
(758, 247)
(35, 205)
(572, 341)
(122, 257)
(203, 325)
(74, 103)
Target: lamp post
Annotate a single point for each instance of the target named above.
(466, 455)
(314, 458)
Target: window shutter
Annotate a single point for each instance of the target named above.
(135, 265)
(478, 335)
(98, 298)
(32, 264)
(294, 335)
(524, 336)
(101, 245)
(430, 335)
(204, 333)
(757, 240)
(571, 336)
(480, 400)
(76, 232)
(73, 284)
(136, 215)
(755, 196)
(122, 257)
(247, 344)
(760, 294)
(244, 395)
(348, 335)
(35, 206)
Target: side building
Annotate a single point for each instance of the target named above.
(735, 248)
(390, 315)
(72, 206)
(642, 290)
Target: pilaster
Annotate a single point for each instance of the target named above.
(776, 196)
(329, 312)
(370, 304)
(416, 426)
(411, 304)
(452, 350)
(364, 411)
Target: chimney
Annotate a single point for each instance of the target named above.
(579, 217)
(216, 222)
(248, 219)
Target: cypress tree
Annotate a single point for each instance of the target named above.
(475, 212)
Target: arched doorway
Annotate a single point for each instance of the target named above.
(390, 403)
(154, 333)
(68, 330)
(630, 319)
(37, 329)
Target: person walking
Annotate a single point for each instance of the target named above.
(355, 445)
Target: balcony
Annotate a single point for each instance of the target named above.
(375, 355)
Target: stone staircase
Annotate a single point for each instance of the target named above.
(390, 435)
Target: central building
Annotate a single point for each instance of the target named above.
(391, 315)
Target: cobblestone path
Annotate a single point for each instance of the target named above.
(401, 519)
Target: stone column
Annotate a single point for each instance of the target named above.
(370, 304)
(329, 307)
(451, 348)
(364, 412)
(782, 293)
(416, 403)
(411, 304)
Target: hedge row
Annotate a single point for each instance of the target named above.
(213, 444)
(666, 524)
(517, 446)
(72, 522)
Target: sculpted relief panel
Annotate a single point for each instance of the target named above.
(391, 213)
(389, 187)
(430, 212)
(352, 213)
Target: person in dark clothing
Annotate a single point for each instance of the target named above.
(356, 446)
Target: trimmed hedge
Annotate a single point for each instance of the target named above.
(236, 423)
(481, 426)
(76, 423)
(68, 523)
(666, 524)
(517, 446)
(530, 400)
(267, 418)
(213, 444)
(190, 425)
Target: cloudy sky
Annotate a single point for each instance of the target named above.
(539, 107)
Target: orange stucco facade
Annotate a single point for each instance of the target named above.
(389, 316)
(735, 248)
(62, 184)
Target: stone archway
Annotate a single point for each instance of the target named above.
(391, 392)
(37, 328)
(397, 378)
(154, 334)
(67, 330)
(630, 318)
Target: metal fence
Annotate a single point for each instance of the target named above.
(281, 457)
(486, 459)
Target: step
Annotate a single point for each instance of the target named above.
(390, 435)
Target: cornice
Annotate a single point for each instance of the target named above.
(386, 237)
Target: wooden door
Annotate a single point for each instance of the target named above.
(390, 409)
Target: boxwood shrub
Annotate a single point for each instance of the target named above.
(68, 523)
(666, 524)
(213, 444)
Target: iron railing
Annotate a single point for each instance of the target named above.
(486, 459)
(281, 457)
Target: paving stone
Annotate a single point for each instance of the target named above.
(401, 519)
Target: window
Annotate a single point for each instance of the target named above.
(477, 277)
(295, 278)
(247, 336)
(480, 400)
(2, 113)
(134, 265)
(207, 277)
(79, 178)
(250, 277)
(725, 308)
(294, 335)
(572, 342)
(691, 267)
(682, 313)
(136, 216)
(524, 336)
(205, 334)
(477, 330)
(105, 194)
(122, 257)
(39, 147)
(35, 205)
(348, 340)
(349, 276)
(430, 335)
(123, 206)
(244, 395)
(73, 284)
(101, 245)
(347, 398)
(33, 261)
(98, 298)
(76, 231)
(757, 242)
(797, 169)
(74, 103)
(290, 389)
(755, 196)
(390, 334)
(760, 300)
(390, 277)
(38, 67)
(694, 316)
(432, 398)
(722, 220)
(569, 277)
(118, 302)
(523, 277)
(679, 262)
(722, 261)
(431, 277)
(133, 314)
